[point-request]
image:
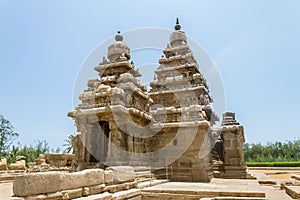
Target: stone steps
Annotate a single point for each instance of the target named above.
(132, 194)
(143, 174)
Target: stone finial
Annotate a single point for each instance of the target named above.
(177, 26)
(178, 37)
(118, 49)
(119, 37)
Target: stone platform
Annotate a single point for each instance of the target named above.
(217, 188)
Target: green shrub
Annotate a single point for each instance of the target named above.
(273, 164)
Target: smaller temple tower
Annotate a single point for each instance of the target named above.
(112, 106)
(228, 153)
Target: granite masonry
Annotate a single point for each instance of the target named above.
(169, 128)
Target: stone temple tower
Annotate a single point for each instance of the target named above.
(182, 103)
(108, 105)
(167, 129)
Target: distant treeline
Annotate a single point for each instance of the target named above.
(273, 152)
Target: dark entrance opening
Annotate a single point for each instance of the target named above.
(100, 138)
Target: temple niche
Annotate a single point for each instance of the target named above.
(166, 128)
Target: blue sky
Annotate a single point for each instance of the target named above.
(255, 45)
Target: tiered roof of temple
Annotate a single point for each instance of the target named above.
(178, 78)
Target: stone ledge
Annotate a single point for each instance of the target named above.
(50, 182)
(296, 176)
(293, 191)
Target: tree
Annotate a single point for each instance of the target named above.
(28, 153)
(68, 144)
(7, 135)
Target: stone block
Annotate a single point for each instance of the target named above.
(133, 184)
(59, 160)
(81, 179)
(103, 196)
(36, 183)
(37, 197)
(133, 194)
(71, 194)
(19, 165)
(85, 191)
(3, 164)
(293, 191)
(54, 196)
(122, 174)
(50, 182)
(96, 189)
(108, 177)
(17, 198)
(40, 161)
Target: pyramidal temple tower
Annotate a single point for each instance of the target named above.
(178, 78)
(108, 106)
(168, 129)
(182, 103)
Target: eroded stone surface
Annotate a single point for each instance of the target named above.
(81, 179)
(36, 183)
(122, 174)
(49, 182)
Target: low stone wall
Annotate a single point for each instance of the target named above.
(55, 159)
(59, 185)
(19, 165)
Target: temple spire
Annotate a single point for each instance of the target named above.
(177, 26)
(119, 37)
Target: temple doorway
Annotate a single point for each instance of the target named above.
(99, 141)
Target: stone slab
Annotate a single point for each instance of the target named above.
(264, 179)
(36, 183)
(81, 179)
(122, 174)
(127, 194)
(96, 189)
(293, 191)
(50, 182)
(217, 187)
(296, 176)
(102, 196)
(72, 194)
(274, 192)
